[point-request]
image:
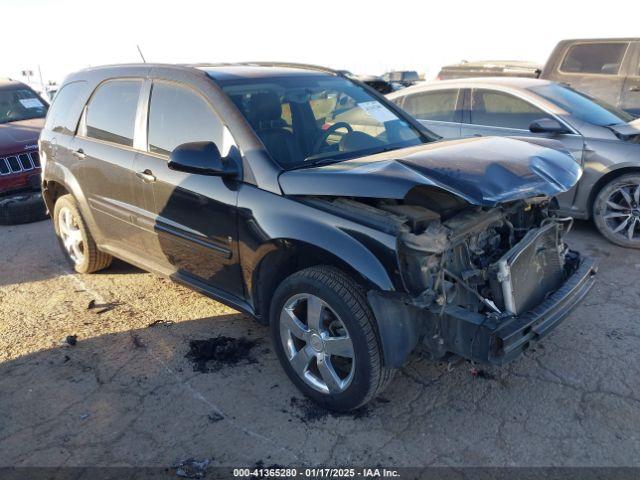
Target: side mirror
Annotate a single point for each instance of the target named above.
(547, 125)
(202, 158)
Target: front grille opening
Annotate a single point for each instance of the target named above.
(4, 167)
(25, 161)
(14, 164)
(35, 157)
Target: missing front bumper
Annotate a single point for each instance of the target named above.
(492, 339)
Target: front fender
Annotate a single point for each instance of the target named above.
(266, 218)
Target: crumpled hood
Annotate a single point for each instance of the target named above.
(483, 171)
(16, 137)
(626, 130)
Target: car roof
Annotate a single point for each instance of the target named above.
(240, 71)
(10, 83)
(496, 63)
(225, 71)
(589, 40)
(499, 82)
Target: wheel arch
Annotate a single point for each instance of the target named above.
(605, 179)
(283, 257)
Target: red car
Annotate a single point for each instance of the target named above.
(22, 113)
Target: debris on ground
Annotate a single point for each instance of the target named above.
(84, 416)
(312, 412)
(71, 340)
(480, 373)
(211, 354)
(102, 307)
(191, 468)
(164, 323)
(215, 417)
(137, 341)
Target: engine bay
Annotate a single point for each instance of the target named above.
(500, 260)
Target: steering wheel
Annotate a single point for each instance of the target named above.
(329, 131)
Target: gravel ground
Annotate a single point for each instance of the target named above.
(125, 394)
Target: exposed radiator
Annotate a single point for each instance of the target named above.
(532, 269)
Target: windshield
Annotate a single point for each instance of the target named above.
(20, 104)
(308, 120)
(583, 107)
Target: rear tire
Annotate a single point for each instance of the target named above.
(616, 211)
(22, 208)
(341, 357)
(76, 241)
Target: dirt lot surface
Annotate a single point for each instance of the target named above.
(125, 394)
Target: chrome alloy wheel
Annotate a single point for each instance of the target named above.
(71, 235)
(622, 211)
(317, 344)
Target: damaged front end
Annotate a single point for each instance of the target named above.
(480, 282)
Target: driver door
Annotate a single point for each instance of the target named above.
(192, 219)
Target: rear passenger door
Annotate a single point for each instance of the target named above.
(104, 149)
(191, 222)
(438, 110)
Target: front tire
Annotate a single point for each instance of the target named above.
(616, 211)
(324, 334)
(76, 241)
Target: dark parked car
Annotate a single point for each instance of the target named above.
(490, 68)
(358, 240)
(608, 69)
(601, 138)
(377, 83)
(401, 78)
(22, 114)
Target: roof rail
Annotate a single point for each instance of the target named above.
(271, 64)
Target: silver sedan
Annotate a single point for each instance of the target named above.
(603, 139)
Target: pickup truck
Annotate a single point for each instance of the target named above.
(608, 69)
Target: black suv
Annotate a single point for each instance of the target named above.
(308, 201)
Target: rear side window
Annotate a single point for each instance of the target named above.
(439, 106)
(111, 113)
(600, 58)
(498, 109)
(179, 115)
(66, 108)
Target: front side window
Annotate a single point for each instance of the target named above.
(581, 106)
(20, 103)
(111, 112)
(439, 105)
(599, 58)
(498, 109)
(179, 115)
(305, 120)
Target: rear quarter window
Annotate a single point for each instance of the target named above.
(594, 58)
(66, 108)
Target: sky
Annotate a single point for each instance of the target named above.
(366, 37)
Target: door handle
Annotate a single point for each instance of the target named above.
(79, 154)
(146, 176)
(634, 89)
